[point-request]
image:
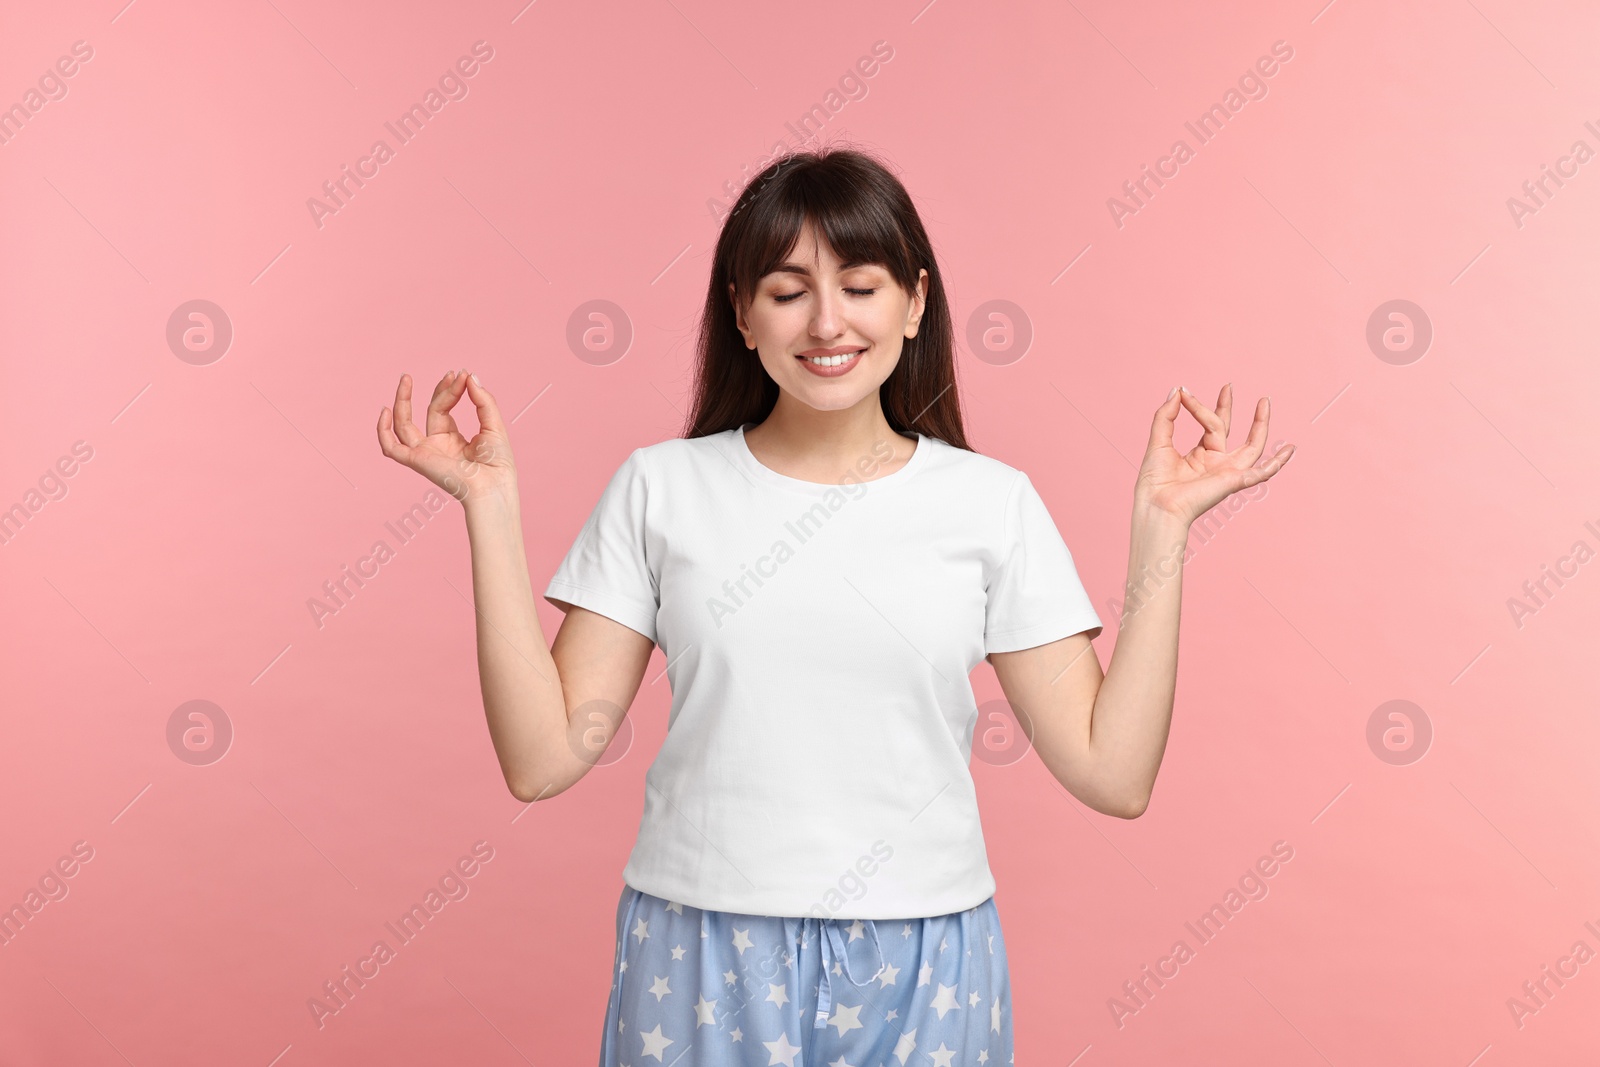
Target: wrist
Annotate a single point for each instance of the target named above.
(1147, 515)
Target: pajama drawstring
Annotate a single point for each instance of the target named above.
(830, 933)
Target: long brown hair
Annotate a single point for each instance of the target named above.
(865, 215)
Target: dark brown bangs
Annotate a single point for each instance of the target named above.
(853, 226)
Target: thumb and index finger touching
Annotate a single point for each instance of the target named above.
(397, 434)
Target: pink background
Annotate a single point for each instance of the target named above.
(219, 497)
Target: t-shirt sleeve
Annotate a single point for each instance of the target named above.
(1034, 595)
(607, 569)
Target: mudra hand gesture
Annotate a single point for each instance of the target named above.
(1187, 486)
(467, 470)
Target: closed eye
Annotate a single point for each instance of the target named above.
(784, 298)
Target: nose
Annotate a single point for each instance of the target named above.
(827, 320)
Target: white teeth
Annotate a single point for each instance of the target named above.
(833, 361)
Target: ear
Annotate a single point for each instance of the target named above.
(739, 319)
(919, 304)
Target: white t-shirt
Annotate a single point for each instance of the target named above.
(818, 641)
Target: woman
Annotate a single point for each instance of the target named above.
(822, 560)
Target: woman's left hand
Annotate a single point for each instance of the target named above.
(1187, 486)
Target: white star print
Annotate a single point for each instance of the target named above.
(941, 1055)
(945, 1001)
(704, 1012)
(907, 931)
(925, 975)
(943, 941)
(660, 989)
(906, 1045)
(839, 1063)
(729, 977)
(972, 1001)
(781, 1051)
(886, 976)
(855, 931)
(983, 1057)
(778, 994)
(846, 1018)
(677, 953)
(673, 905)
(624, 967)
(641, 931)
(655, 1043)
(741, 940)
(994, 1022)
(737, 1034)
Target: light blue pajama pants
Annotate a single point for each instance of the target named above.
(695, 988)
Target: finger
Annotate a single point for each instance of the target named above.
(444, 398)
(1215, 436)
(1256, 475)
(392, 446)
(488, 411)
(1247, 454)
(1166, 419)
(1225, 408)
(404, 428)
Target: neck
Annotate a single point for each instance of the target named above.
(805, 442)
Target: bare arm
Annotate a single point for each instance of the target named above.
(1102, 736)
(551, 711)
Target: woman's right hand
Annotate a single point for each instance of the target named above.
(467, 470)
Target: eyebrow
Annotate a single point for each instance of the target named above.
(797, 268)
